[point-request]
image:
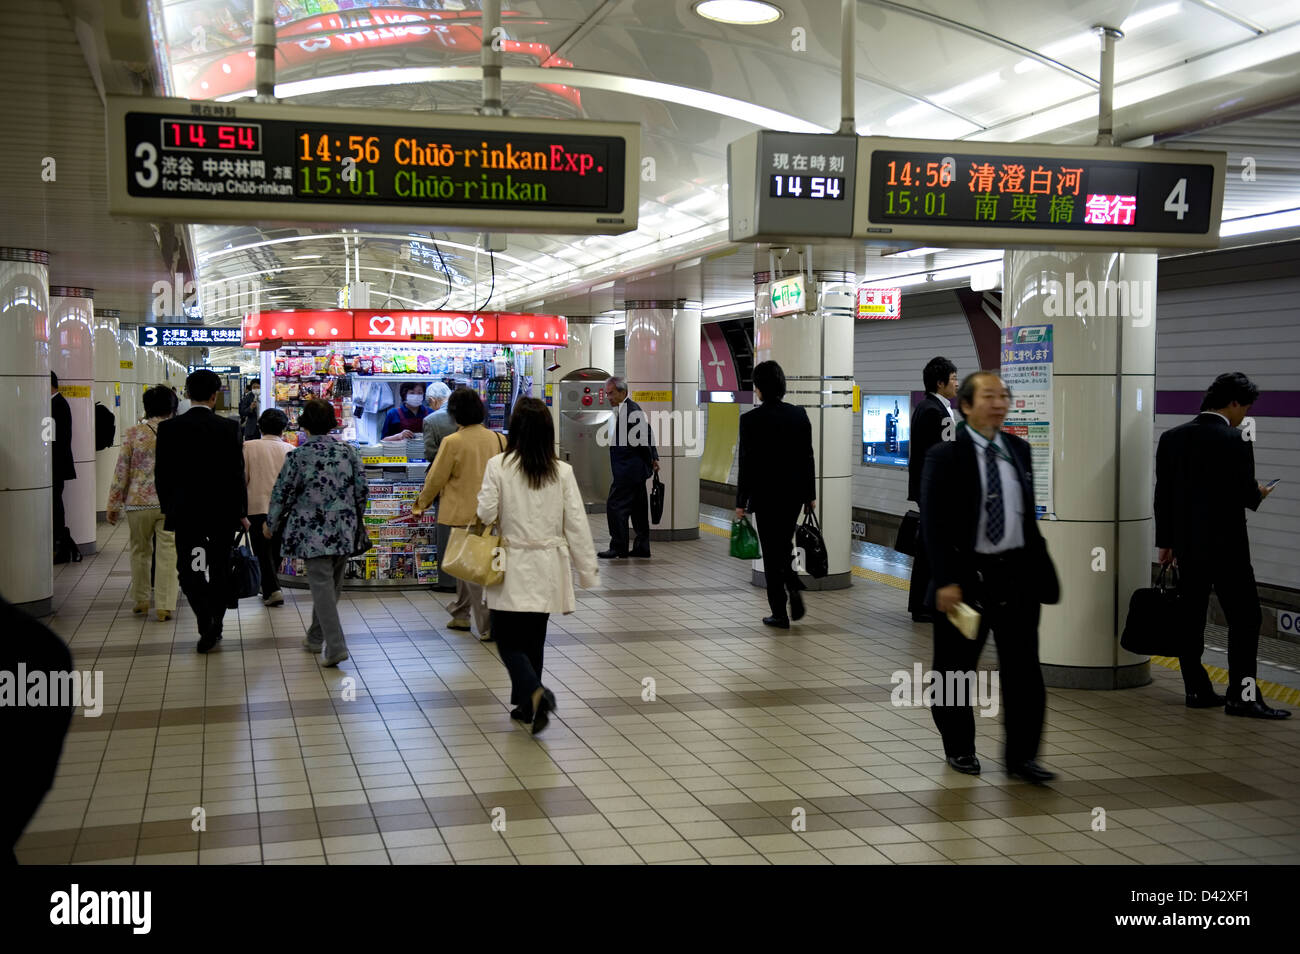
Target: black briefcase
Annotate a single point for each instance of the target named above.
(908, 533)
(1155, 625)
(808, 537)
(656, 500)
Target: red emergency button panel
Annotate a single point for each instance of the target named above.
(586, 400)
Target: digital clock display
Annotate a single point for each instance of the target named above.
(209, 136)
(265, 161)
(1008, 191)
(806, 187)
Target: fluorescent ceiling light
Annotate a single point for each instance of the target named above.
(726, 311)
(968, 89)
(1138, 20)
(910, 114)
(738, 12)
(917, 252)
(1289, 218)
(300, 257)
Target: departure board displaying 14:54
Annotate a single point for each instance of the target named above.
(217, 162)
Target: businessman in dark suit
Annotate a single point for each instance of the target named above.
(930, 419)
(632, 459)
(981, 535)
(1205, 478)
(777, 477)
(199, 475)
(62, 470)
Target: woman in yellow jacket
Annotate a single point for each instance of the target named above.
(455, 479)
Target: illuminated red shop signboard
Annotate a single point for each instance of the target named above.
(305, 47)
(547, 331)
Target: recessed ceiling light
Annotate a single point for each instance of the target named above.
(738, 12)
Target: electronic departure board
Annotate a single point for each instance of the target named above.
(788, 187)
(1043, 194)
(212, 162)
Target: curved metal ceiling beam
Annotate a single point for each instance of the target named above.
(985, 36)
(752, 113)
(1229, 15)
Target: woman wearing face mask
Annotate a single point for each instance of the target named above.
(406, 420)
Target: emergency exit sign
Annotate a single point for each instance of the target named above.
(875, 302)
(789, 296)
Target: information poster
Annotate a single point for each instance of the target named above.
(1027, 371)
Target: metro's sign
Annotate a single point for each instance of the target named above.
(423, 326)
(544, 331)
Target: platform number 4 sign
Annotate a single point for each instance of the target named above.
(1177, 201)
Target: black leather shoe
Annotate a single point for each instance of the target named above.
(1031, 772)
(611, 555)
(1210, 700)
(641, 554)
(796, 606)
(208, 640)
(544, 707)
(1256, 710)
(518, 714)
(780, 622)
(966, 764)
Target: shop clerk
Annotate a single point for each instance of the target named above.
(406, 419)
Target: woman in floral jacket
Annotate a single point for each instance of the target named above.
(133, 493)
(317, 505)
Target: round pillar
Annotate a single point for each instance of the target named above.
(1098, 524)
(72, 323)
(108, 392)
(129, 413)
(815, 350)
(26, 438)
(662, 367)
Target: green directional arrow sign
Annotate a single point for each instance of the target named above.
(788, 296)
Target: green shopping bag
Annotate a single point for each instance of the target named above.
(744, 539)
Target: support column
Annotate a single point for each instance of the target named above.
(108, 392)
(26, 558)
(815, 350)
(128, 415)
(591, 345)
(1099, 523)
(662, 367)
(72, 322)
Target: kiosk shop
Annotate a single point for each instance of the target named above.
(359, 360)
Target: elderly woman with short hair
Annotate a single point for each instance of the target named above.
(318, 506)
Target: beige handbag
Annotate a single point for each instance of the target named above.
(474, 555)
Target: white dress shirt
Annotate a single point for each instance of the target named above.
(1013, 532)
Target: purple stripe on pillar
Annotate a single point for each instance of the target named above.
(983, 312)
(1270, 403)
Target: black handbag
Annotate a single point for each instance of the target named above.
(909, 532)
(1155, 624)
(808, 537)
(656, 500)
(245, 571)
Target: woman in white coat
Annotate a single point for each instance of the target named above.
(543, 525)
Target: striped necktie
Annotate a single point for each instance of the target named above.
(995, 525)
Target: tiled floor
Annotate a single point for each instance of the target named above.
(759, 746)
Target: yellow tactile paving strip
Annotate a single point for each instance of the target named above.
(1271, 690)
